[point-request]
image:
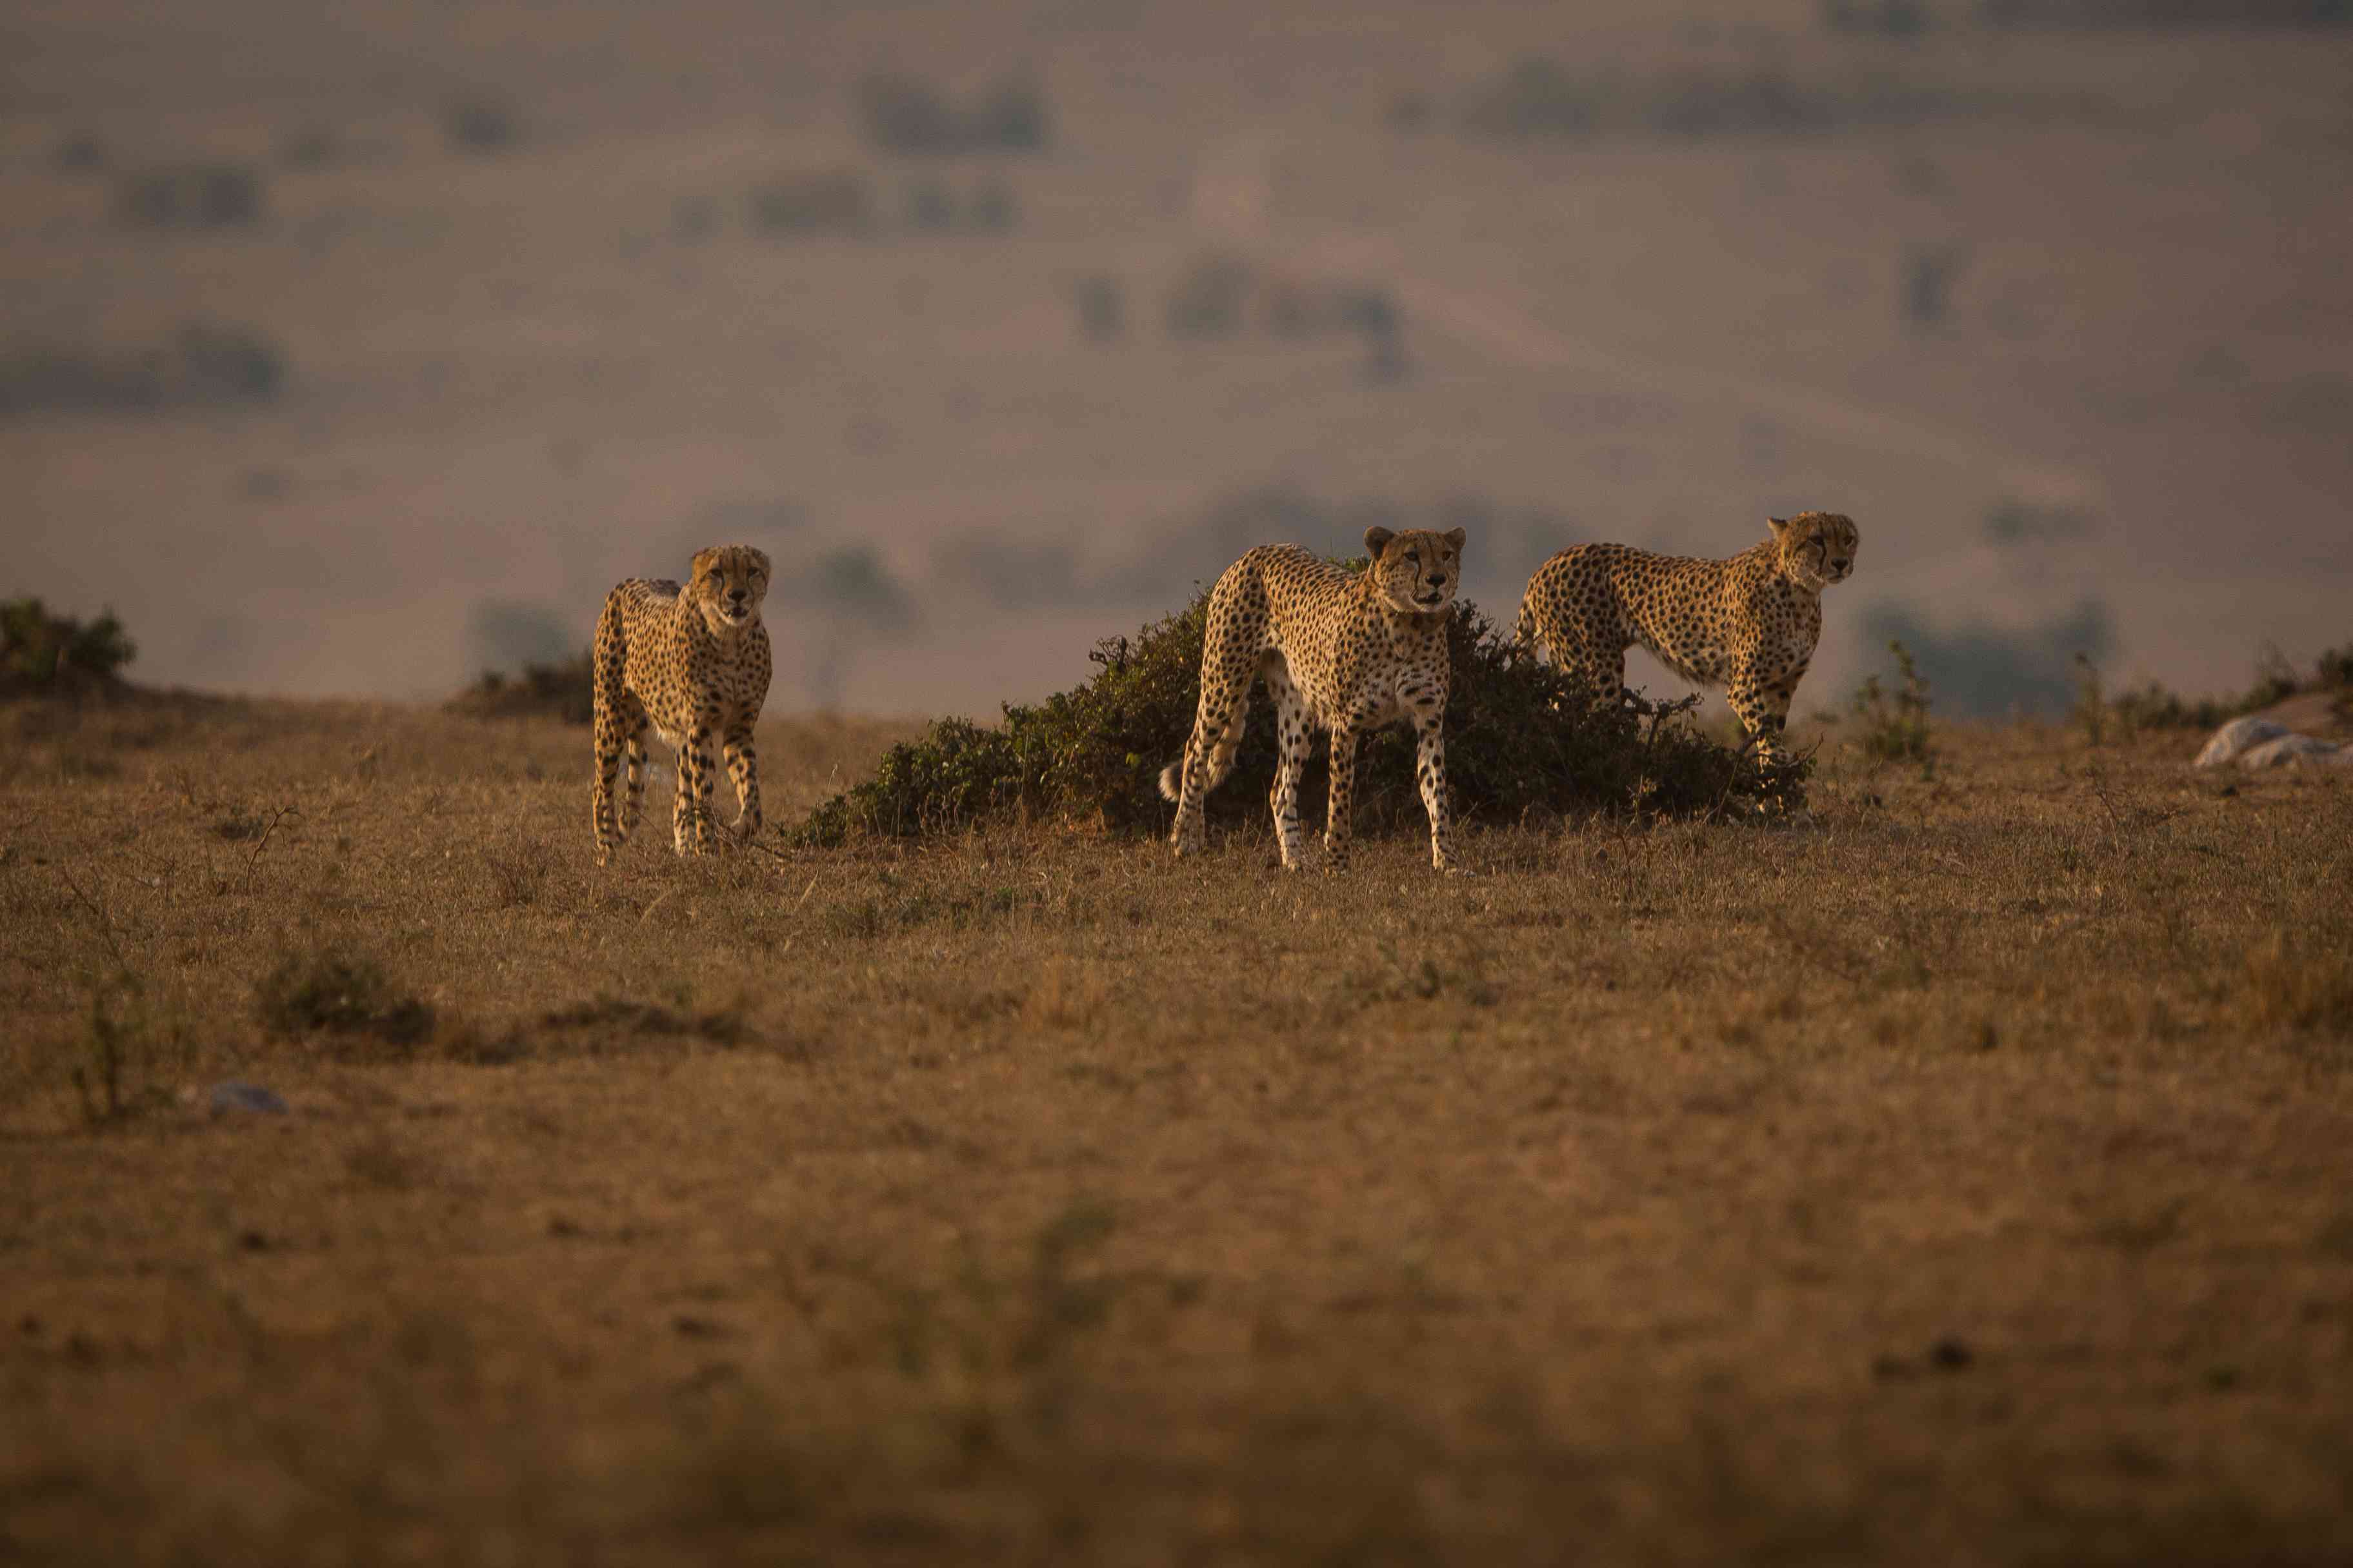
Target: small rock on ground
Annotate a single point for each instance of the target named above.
(233, 1095)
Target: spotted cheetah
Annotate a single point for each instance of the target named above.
(1749, 625)
(1342, 651)
(695, 665)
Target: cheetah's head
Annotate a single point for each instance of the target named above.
(1415, 572)
(730, 581)
(1816, 547)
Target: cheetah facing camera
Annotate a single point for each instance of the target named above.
(693, 663)
(1748, 625)
(1341, 651)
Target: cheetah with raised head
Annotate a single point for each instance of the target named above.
(1342, 651)
(693, 663)
(1748, 625)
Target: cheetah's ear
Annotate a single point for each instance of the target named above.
(1377, 538)
(1779, 525)
(1455, 537)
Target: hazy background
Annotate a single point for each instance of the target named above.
(353, 355)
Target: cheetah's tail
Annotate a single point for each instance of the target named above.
(1171, 779)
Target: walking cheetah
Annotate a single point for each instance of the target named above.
(694, 665)
(1341, 651)
(1749, 625)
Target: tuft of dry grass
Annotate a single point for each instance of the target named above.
(1953, 1172)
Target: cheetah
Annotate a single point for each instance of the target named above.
(1342, 651)
(1749, 625)
(695, 664)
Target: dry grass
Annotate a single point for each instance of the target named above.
(1959, 1174)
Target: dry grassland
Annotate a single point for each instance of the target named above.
(1958, 1176)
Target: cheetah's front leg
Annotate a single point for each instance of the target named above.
(1429, 771)
(743, 767)
(691, 815)
(1340, 820)
(1763, 711)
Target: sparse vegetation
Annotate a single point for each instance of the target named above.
(337, 989)
(905, 114)
(192, 196)
(1883, 18)
(1523, 741)
(130, 1051)
(1929, 272)
(1983, 670)
(559, 691)
(1536, 96)
(1102, 306)
(1894, 723)
(932, 1195)
(2155, 706)
(206, 363)
(2013, 522)
(810, 204)
(79, 153)
(1208, 300)
(481, 125)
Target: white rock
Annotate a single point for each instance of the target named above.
(2285, 750)
(2235, 737)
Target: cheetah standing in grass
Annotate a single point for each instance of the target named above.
(1749, 625)
(1341, 651)
(695, 664)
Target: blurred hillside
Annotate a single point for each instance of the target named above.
(355, 354)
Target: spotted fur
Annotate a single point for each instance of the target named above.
(1344, 652)
(1748, 625)
(693, 663)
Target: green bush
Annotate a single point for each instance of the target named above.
(41, 652)
(1523, 740)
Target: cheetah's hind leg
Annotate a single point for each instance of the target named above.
(633, 767)
(1208, 758)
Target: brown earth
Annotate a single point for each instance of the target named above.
(1960, 1174)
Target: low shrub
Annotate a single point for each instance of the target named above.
(2155, 705)
(336, 989)
(1895, 723)
(558, 690)
(1523, 740)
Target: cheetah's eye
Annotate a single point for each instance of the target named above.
(1413, 555)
